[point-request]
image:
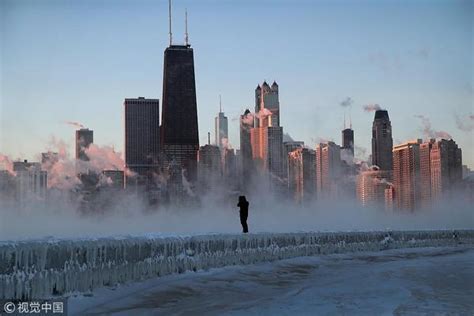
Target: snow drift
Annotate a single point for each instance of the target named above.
(44, 268)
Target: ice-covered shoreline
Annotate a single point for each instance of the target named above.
(42, 268)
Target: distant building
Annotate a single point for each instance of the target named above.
(179, 124)
(246, 124)
(229, 168)
(266, 97)
(348, 140)
(446, 167)
(49, 158)
(302, 174)
(382, 141)
(115, 178)
(328, 169)
(7, 186)
(371, 187)
(142, 136)
(467, 172)
(425, 173)
(389, 198)
(31, 182)
(222, 131)
(267, 135)
(406, 175)
(84, 137)
(210, 167)
(288, 147)
(267, 149)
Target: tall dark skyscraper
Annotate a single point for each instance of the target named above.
(84, 137)
(142, 135)
(179, 124)
(382, 141)
(348, 140)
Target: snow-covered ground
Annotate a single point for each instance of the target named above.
(429, 281)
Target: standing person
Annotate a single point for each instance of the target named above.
(244, 212)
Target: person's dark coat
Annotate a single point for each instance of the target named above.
(244, 213)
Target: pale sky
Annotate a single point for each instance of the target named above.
(77, 61)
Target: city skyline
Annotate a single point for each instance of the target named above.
(311, 107)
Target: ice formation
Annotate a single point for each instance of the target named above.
(45, 268)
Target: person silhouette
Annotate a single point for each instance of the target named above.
(244, 212)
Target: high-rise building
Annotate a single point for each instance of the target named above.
(371, 186)
(389, 198)
(267, 149)
(406, 175)
(425, 173)
(266, 97)
(446, 167)
(348, 140)
(267, 135)
(210, 166)
(179, 124)
(229, 168)
(222, 132)
(328, 169)
(382, 141)
(210, 159)
(288, 147)
(302, 174)
(30, 182)
(142, 135)
(246, 125)
(84, 137)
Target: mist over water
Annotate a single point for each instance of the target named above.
(128, 216)
(120, 213)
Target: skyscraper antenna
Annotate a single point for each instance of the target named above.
(169, 19)
(220, 103)
(186, 38)
(350, 118)
(208, 138)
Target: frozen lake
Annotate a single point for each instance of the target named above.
(403, 281)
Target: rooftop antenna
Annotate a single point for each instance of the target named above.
(208, 138)
(186, 38)
(220, 104)
(169, 19)
(350, 119)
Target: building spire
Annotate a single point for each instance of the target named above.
(186, 35)
(220, 104)
(169, 19)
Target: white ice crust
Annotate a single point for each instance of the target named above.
(45, 268)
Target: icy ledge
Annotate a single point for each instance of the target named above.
(39, 269)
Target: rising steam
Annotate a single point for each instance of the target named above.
(6, 164)
(428, 131)
(74, 124)
(346, 102)
(465, 124)
(372, 107)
